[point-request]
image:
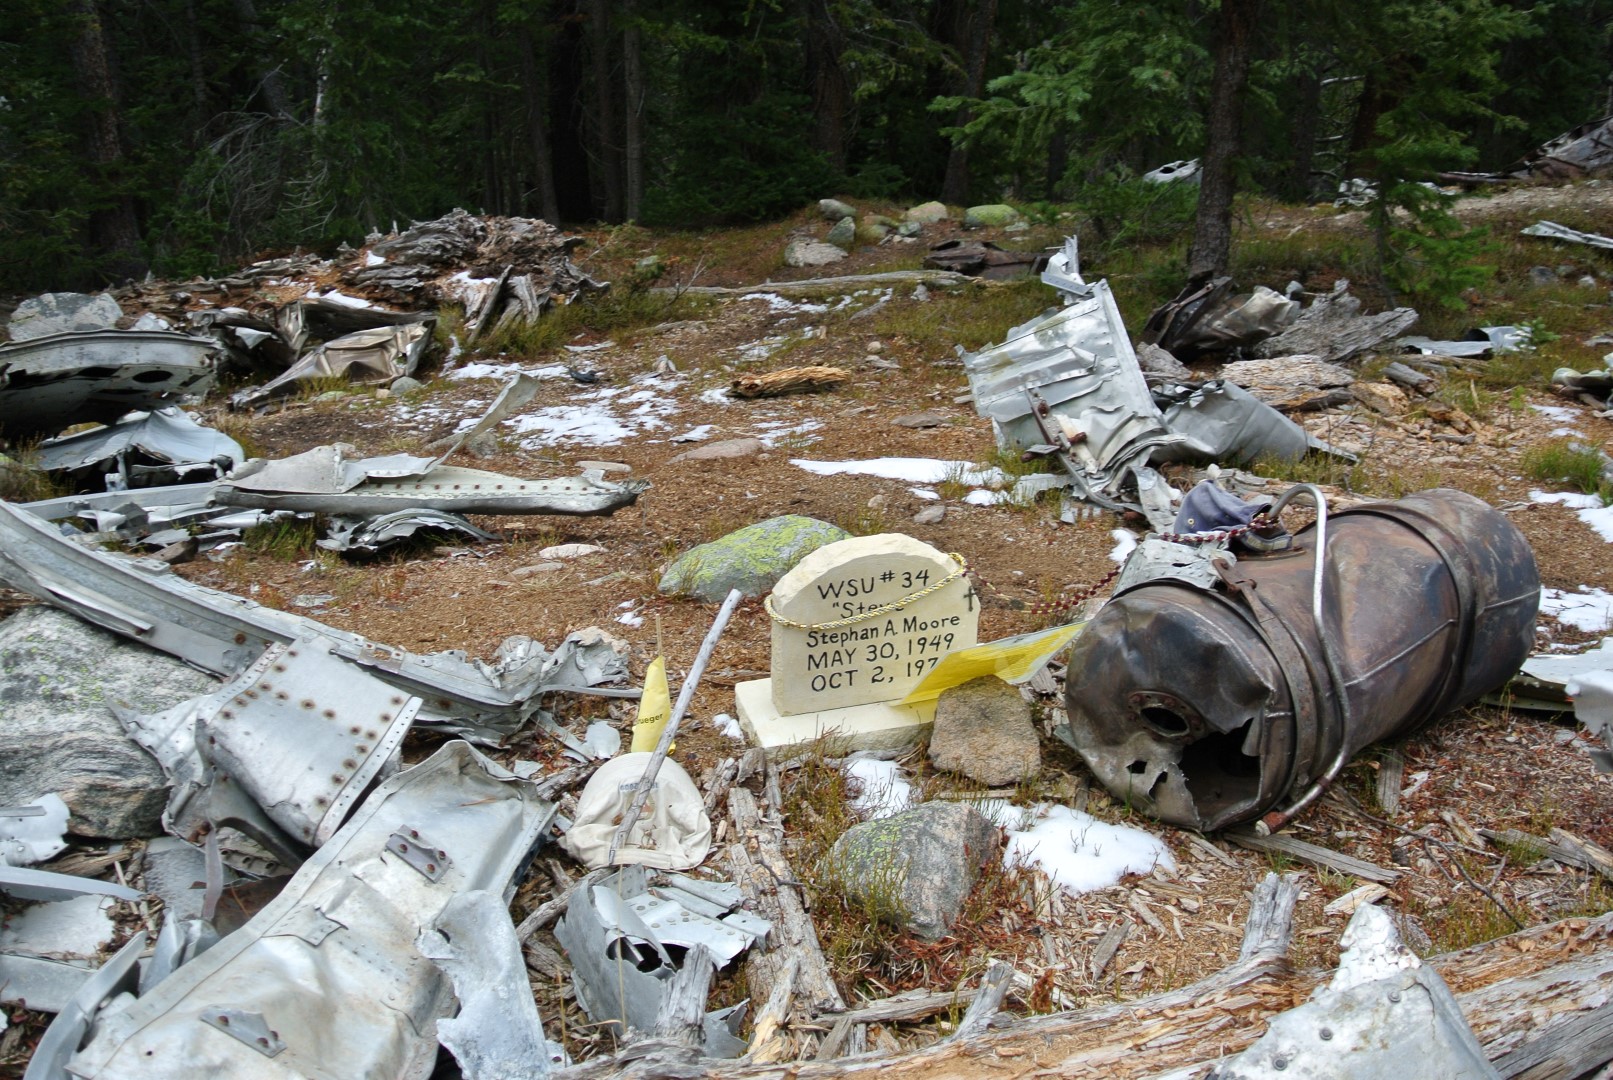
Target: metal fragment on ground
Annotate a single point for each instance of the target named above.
(33, 833)
(1592, 695)
(371, 535)
(1207, 706)
(1384, 1014)
(375, 356)
(497, 1034)
(330, 968)
(144, 450)
(621, 969)
(119, 975)
(1550, 230)
(53, 382)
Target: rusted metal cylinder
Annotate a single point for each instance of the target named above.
(1209, 707)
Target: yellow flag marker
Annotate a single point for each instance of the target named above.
(1012, 659)
(653, 708)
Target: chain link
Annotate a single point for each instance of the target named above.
(1259, 521)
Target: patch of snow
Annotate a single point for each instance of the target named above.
(982, 497)
(760, 350)
(1558, 412)
(772, 432)
(924, 493)
(1081, 854)
(1566, 431)
(912, 470)
(727, 725)
(881, 790)
(454, 351)
(590, 348)
(372, 259)
(485, 370)
(627, 618)
(695, 434)
(1125, 540)
(717, 395)
(597, 422)
(1590, 610)
(464, 275)
(776, 303)
(1588, 508)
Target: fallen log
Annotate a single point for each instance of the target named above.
(796, 380)
(850, 281)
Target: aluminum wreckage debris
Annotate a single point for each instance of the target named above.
(1214, 687)
(1586, 150)
(226, 634)
(620, 935)
(1069, 384)
(1550, 230)
(330, 978)
(52, 382)
(375, 356)
(143, 450)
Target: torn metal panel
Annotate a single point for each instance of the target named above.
(330, 967)
(174, 502)
(1174, 171)
(379, 355)
(325, 318)
(497, 1033)
(223, 633)
(1222, 422)
(33, 982)
(674, 834)
(1385, 1014)
(1592, 694)
(1208, 318)
(118, 976)
(983, 259)
(27, 883)
(305, 735)
(370, 535)
(1208, 707)
(248, 342)
(31, 834)
(145, 450)
(1480, 342)
(1585, 150)
(621, 969)
(52, 382)
(1550, 230)
(446, 488)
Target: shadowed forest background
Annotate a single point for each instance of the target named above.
(182, 136)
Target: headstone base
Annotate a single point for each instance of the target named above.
(880, 725)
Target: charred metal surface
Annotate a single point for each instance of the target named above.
(51, 382)
(1207, 706)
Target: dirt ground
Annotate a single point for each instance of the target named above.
(1484, 766)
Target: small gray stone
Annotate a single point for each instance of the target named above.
(59, 678)
(718, 451)
(537, 568)
(1017, 227)
(751, 559)
(933, 514)
(484, 445)
(879, 502)
(1542, 275)
(834, 209)
(404, 384)
(909, 229)
(804, 251)
(1156, 361)
(843, 234)
(991, 215)
(917, 868)
(983, 730)
(927, 419)
(329, 396)
(605, 466)
(61, 313)
(926, 213)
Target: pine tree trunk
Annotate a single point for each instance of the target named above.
(537, 129)
(1306, 123)
(270, 84)
(632, 116)
(955, 187)
(607, 147)
(1212, 231)
(114, 229)
(831, 91)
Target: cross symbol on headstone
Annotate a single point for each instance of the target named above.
(969, 597)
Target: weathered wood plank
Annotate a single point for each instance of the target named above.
(1313, 854)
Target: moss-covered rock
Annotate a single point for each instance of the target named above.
(751, 559)
(989, 216)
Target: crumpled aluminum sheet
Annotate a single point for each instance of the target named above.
(32, 834)
(328, 975)
(118, 976)
(1481, 342)
(497, 1034)
(1385, 1014)
(620, 965)
(1224, 423)
(370, 535)
(377, 355)
(223, 633)
(166, 435)
(1592, 694)
(53, 382)
(1550, 230)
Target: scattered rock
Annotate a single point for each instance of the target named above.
(751, 559)
(922, 420)
(605, 466)
(983, 730)
(991, 215)
(915, 869)
(329, 396)
(804, 251)
(1381, 397)
(61, 313)
(835, 210)
(921, 294)
(879, 502)
(1542, 275)
(909, 229)
(1017, 227)
(537, 568)
(570, 551)
(843, 234)
(926, 213)
(382, 393)
(405, 384)
(873, 228)
(874, 347)
(484, 445)
(884, 363)
(1156, 361)
(727, 448)
(933, 514)
(59, 678)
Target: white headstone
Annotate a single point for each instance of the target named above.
(864, 620)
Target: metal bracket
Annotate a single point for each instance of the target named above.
(420, 853)
(247, 1027)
